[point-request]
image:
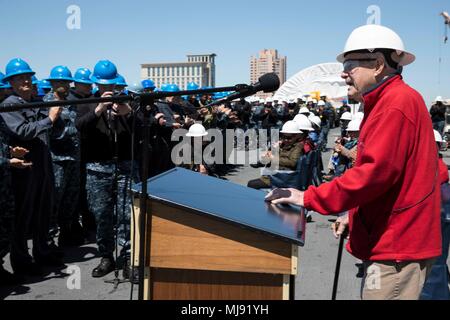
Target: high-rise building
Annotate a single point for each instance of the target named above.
(200, 68)
(268, 61)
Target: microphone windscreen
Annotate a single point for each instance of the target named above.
(269, 82)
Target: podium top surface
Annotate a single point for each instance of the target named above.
(228, 202)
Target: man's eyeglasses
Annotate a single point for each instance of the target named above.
(351, 64)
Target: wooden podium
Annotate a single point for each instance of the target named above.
(214, 240)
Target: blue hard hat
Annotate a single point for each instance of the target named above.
(34, 80)
(83, 75)
(105, 72)
(40, 92)
(61, 73)
(173, 88)
(192, 86)
(148, 84)
(2, 76)
(44, 84)
(121, 81)
(4, 84)
(17, 67)
(165, 87)
(135, 87)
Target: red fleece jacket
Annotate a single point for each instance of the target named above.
(393, 192)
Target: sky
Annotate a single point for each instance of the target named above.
(133, 32)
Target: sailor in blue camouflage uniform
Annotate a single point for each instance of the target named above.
(65, 150)
(7, 204)
(98, 125)
(124, 200)
(33, 189)
(6, 196)
(82, 90)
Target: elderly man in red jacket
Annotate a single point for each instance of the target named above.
(392, 193)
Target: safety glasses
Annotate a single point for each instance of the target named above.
(351, 64)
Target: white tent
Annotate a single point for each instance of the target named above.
(325, 78)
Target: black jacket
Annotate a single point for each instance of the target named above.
(97, 134)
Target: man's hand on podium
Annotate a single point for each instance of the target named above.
(288, 196)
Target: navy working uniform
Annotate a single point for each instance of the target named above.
(88, 220)
(98, 151)
(33, 189)
(65, 151)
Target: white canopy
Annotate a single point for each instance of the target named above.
(325, 78)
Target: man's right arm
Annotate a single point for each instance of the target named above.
(24, 129)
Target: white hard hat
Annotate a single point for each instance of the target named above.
(197, 130)
(261, 100)
(291, 100)
(439, 99)
(438, 137)
(321, 103)
(314, 101)
(359, 116)
(354, 125)
(371, 37)
(303, 122)
(309, 100)
(268, 100)
(315, 120)
(346, 116)
(304, 110)
(290, 127)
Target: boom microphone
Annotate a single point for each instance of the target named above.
(267, 83)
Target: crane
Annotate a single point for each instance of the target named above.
(447, 24)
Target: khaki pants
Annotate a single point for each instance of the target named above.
(389, 280)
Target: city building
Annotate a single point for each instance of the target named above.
(268, 61)
(199, 68)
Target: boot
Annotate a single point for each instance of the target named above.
(129, 273)
(106, 266)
